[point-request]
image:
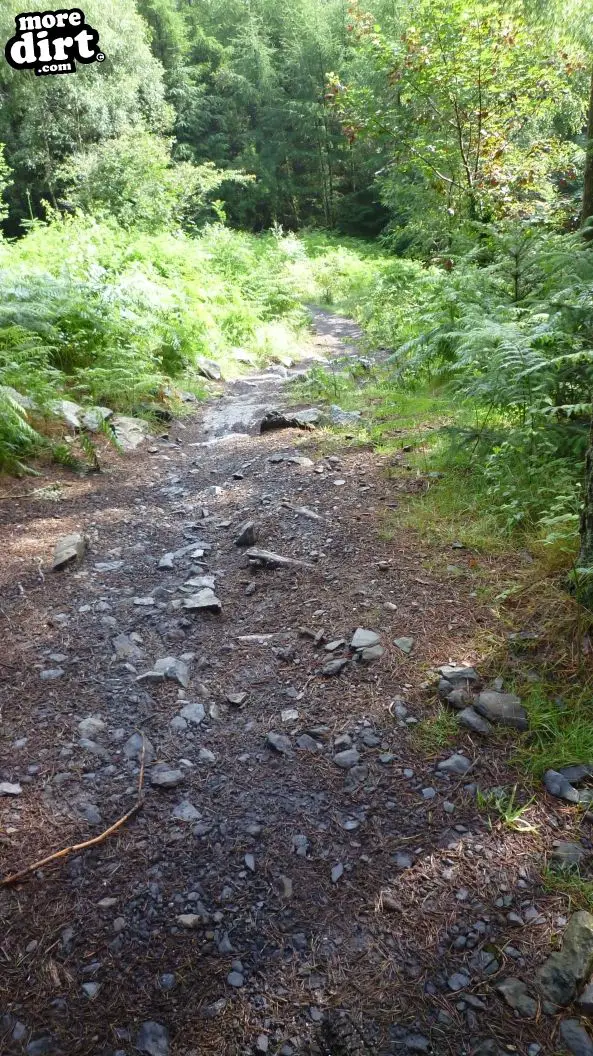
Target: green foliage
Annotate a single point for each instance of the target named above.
(436, 732)
(505, 804)
(561, 729)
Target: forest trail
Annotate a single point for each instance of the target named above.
(301, 878)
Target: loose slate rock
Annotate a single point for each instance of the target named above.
(164, 776)
(272, 560)
(193, 713)
(126, 649)
(129, 432)
(347, 759)
(205, 600)
(68, 549)
(167, 668)
(575, 1037)
(186, 811)
(502, 708)
(460, 676)
(275, 419)
(405, 644)
(7, 788)
(153, 1039)
(247, 535)
(517, 996)
(455, 764)
(470, 719)
(558, 786)
(363, 639)
(134, 747)
(565, 971)
(333, 667)
(280, 742)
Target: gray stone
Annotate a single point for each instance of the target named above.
(405, 644)
(41, 1046)
(472, 721)
(363, 639)
(247, 535)
(374, 652)
(502, 708)
(577, 773)
(567, 853)
(345, 760)
(337, 872)
(333, 667)
(126, 649)
(208, 368)
(134, 747)
(585, 1001)
(205, 600)
(279, 742)
(459, 698)
(340, 417)
(269, 559)
(91, 726)
(307, 743)
(275, 419)
(163, 776)
(458, 981)
(576, 1038)
(460, 676)
(68, 549)
(189, 921)
(455, 764)
(185, 811)
(517, 996)
(167, 668)
(429, 793)
(402, 861)
(193, 713)
(565, 971)
(129, 432)
(235, 979)
(167, 981)
(91, 990)
(153, 1039)
(51, 674)
(416, 1043)
(94, 417)
(7, 788)
(558, 786)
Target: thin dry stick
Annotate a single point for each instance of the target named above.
(16, 877)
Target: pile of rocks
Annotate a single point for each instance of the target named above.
(479, 708)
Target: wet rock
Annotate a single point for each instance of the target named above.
(280, 743)
(472, 721)
(153, 1039)
(247, 535)
(576, 1038)
(163, 776)
(455, 764)
(275, 419)
(129, 432)
(558, 786)
(517, 996)
(347, 759)
(204, 601)
(68, 549)
(363, 639)
(502, 708)
(167, 668)
(405, 644)
(565, 971)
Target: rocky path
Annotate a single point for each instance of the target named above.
(300, 877)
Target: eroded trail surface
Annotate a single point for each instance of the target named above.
(299, 879)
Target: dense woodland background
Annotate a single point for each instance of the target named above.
(422, 165)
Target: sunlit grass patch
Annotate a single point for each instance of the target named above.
(437, 731)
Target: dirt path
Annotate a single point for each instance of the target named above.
(266, 889)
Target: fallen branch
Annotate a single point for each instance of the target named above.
(15, 878)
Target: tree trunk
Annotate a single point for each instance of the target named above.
(585, 558)
(587, 206)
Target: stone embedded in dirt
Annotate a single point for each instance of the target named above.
(205, 600)
(51, 674)
(585, 1000)
(567, 853)
(576, 1038)
(363, 639)
(502, 708)
(405, 644)
(92, 726)
(235, 979)
(334, 667)
(167, 562)
(236, 699)
(470, 718)
(459, 676)
(304, 511)
(374, 652)
(262, 1043)
(337, 872)
(93, 418)
(337, 643)
(455, 764)
(143, 603)
(403, 861)
(91, 990)
(108, 566)
(577, 773)
(558, 786)
(517, 996)
(300, 844)
(459, 698)
(167, 668)
(185, 811)
(194, 713)
(416, 1043)
(565, 971)
(68, 411)
(68, 549)
(209, 369)
(135, 745)
(275, 419)
(7, 788)
(347, 759)
(272, 560)
(153, 1039)
(200, 582)
(164, 776)
(279, 742)
(189, 921)
(126, 648)
(129, 432)
(289, 715)
(308, 744)
(429, 793)
(249, 860)
(458, 981)
(247, 534)
(340, 417)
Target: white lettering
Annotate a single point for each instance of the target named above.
(60, 45)
(29, 22)
(75, 18)
(23, 51)
(48, 21)
(83, 39)
(44, 49)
